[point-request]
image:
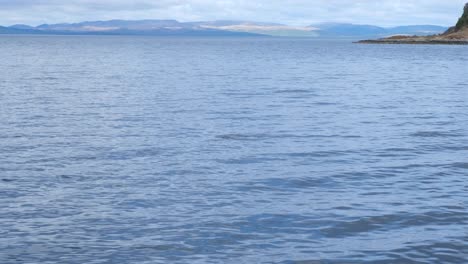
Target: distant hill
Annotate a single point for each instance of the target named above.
(322, 30)
(223, 23)
(345, 30)
(21, 26)
(112, 25)
(12, 30)
(270, 29)
(416, 30)
(352, 30)
(123, 27)
(217, 28)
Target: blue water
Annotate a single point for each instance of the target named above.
(179, 150)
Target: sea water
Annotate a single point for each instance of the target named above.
(232, 150)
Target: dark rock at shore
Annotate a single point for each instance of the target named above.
(412, 41)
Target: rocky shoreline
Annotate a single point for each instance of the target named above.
(414, 42)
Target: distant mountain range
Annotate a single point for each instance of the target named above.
(351, 30)
(218, 28)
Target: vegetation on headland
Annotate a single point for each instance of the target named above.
(463, 21)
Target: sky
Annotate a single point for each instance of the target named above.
(292, 12)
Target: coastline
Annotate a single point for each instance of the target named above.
(413, 42)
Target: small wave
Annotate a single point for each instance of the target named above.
(438, 252)
(325, 103)
(287, 184)
(431, 134)
(398, 150)
(392, 221)
(459, 165)
(317, 154)
(247, 160)
(45, 78)
(243, 137)
(311, 262)
(263, 136)
(164, 248)
(293, 91)
(127, 154)
(8, 180)
(415, 166)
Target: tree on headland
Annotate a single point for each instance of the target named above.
(463, 21)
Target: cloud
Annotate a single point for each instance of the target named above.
(295, 12)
